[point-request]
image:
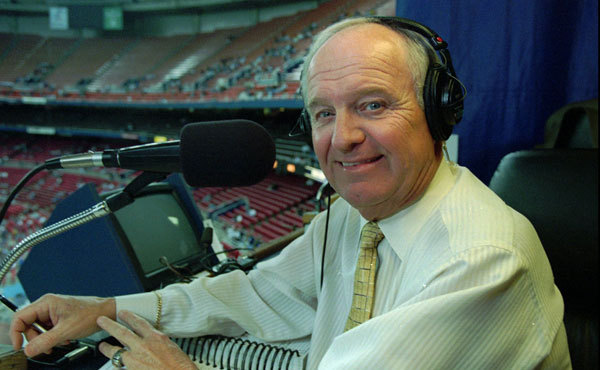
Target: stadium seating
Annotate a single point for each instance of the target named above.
(87, 61)
(269, 209)
(246, 63)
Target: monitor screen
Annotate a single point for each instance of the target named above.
(158, 227)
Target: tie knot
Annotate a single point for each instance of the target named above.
(370, 235)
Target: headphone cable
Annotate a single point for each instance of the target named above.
(325, 239)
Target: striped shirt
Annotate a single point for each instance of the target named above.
(462, 283)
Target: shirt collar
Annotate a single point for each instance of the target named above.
(400, 228)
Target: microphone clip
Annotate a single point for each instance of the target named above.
(128, 194)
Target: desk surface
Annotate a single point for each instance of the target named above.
(11, 359)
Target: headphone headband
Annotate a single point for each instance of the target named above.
(436, 42)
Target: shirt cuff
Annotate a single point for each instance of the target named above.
(142, 304)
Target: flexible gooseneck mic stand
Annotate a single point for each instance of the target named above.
(109, 205)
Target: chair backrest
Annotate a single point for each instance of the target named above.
(573, 126)
(557, 190)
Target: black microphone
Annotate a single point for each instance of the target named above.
(226, 153)
(156, 157)
(218, 153)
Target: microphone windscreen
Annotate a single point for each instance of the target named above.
(225, 153)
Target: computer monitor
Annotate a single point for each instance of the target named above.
(158, 228)
(120, 253)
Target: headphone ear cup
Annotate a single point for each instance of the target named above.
(431, 104)
(452, 101)
(439, 96)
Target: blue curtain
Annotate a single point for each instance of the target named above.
(519, 60)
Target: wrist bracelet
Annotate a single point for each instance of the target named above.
(158, 310)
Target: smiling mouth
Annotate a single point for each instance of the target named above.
(353, 164)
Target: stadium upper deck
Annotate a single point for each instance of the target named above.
(232, 66)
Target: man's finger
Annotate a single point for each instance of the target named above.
(123, 335)
(41, 343)
(17, 328)
(107, 350)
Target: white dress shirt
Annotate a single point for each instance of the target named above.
(462, 283)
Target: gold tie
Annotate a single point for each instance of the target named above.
(364, 277)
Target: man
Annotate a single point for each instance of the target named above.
(462, 280)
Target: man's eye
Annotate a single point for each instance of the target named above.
(374, 106)
(323, 114)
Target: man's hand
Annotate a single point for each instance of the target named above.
(146, 347)
(65, 317)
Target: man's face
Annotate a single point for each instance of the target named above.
(368, 131)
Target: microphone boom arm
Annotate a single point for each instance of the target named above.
(99, 210)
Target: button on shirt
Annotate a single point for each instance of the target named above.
(462, 283)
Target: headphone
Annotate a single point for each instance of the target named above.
(443, 93)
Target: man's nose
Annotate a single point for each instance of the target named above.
(347, 132)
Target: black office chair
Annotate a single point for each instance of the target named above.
(557, 190)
